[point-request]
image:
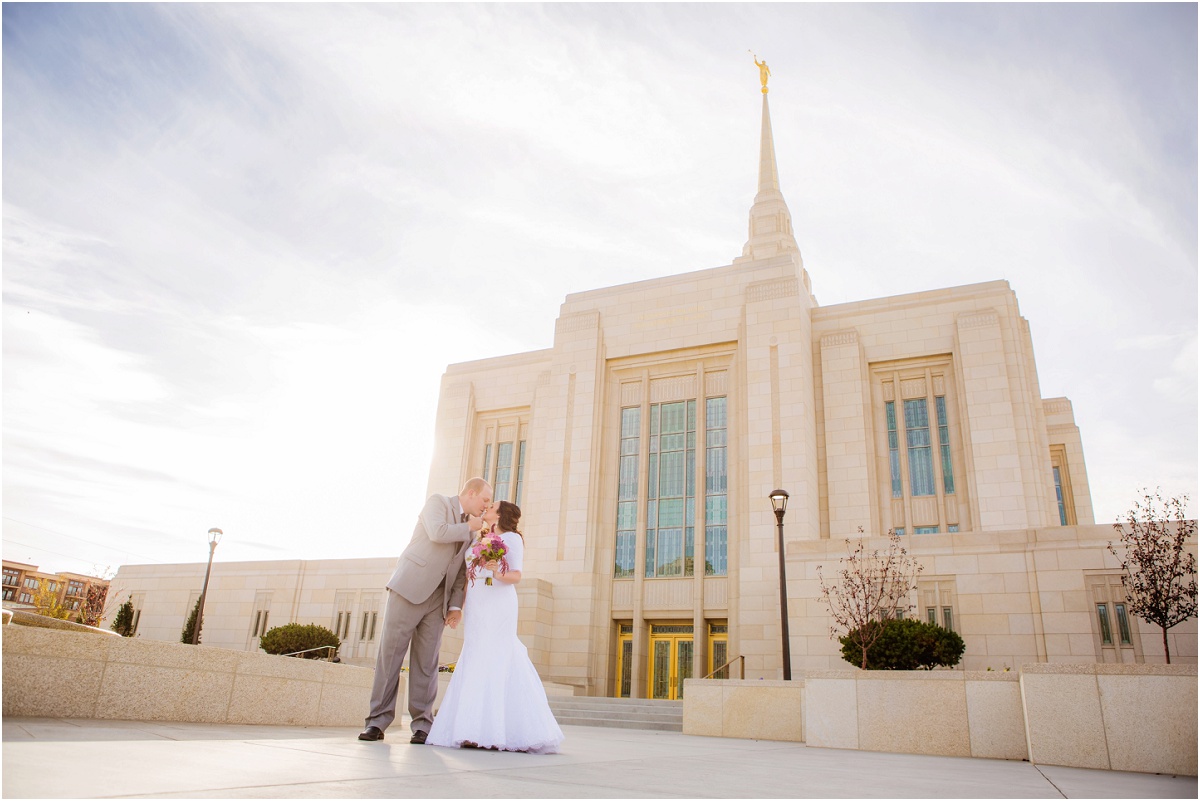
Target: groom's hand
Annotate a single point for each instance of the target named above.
(475, 523)
(454, 618)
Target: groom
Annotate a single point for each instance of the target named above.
(424, 594)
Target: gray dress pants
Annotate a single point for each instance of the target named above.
(406, 623)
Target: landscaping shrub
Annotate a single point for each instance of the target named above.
(906, 645)
(123, 625)
(190, 626)
(294, 637)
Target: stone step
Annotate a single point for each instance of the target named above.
(626, 713)
(601, 700)
(644, 725)
(616, 703)
(618, 714)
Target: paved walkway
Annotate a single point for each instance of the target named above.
(46, 758)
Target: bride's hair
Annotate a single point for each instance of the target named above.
(509, 515)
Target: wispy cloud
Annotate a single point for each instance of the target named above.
(242, 241)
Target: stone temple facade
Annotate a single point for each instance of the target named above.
(642, 447)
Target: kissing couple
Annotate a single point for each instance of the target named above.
(495, 699)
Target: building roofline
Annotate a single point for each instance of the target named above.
(923, 296)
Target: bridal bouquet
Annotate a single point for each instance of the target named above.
(487, 548)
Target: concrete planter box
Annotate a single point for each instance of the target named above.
(1138, 718)
(747, 709)
(1122, 717)
(66, 674)
(944, 712)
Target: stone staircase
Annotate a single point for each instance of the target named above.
(618, 713)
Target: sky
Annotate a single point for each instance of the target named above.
(242, 242)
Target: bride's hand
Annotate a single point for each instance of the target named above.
(493, 566)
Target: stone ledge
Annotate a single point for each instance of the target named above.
(60, 673)
(1109, 669)
(23, 618)
(1139, 717)
(759, 709)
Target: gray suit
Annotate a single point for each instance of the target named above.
(428, 581)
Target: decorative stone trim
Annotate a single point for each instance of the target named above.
(667, 594)
(716, 384)
(1061, 406)
(716, 592)
(913, 388)
(457, 390)
(543, 379)
(569, 323)
(671, 389)
(631, 393)
(978, 319)
(939, 385)
(839, 338)
(622, 595)
(771, 290)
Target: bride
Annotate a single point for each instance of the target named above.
(495, 698)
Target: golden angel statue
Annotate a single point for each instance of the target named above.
(764, 72)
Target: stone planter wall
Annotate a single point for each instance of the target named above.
(1121, 717)
(948, 713)
(749, 709)
(66, 674)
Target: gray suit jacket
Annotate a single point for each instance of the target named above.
(437, 550)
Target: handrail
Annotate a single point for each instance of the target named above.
(332, 657)
(741, 667)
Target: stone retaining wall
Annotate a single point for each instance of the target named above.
(948, 713)
(751, 710)
(66, 674)
(1121, 717)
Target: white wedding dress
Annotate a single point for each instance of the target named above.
(495, 698)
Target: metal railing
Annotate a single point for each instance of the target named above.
(741, 667)
(333, 657)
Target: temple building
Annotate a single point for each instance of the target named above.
(642, 447)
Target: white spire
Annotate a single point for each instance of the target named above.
(770, 221)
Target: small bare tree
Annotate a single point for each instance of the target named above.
(94, 605)
(97, 604)
(1158, 575)
(870, 587)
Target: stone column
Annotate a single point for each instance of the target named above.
(849, 447)
(990, 427)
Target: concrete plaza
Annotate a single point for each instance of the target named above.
(56, 758)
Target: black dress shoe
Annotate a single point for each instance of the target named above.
(418, 738)
(371, 733)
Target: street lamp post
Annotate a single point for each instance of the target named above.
(779, 499)
(214, 536)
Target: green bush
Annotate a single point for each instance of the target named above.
(293, 637)
(907, 645)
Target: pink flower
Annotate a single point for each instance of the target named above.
(489, 547)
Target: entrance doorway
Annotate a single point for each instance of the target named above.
(624, 660)
(671, 649)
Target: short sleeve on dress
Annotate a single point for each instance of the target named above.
(516, 550)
